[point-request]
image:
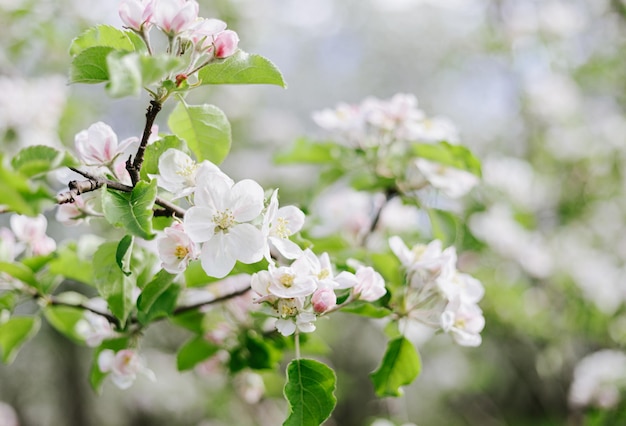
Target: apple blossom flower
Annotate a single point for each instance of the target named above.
(9, 247)
(370, 284)
(220, 219)
(435, 129)
(323, 300)
(451, 181)
(599, 380)
(226, 44)
(72, 214)
(123, 366)
(464, 322)
(289, 281)
(94, 329)
(250, 386)
(175, 16)
(322, 270)
(178, 173)
(176, 249)
(425, 263)
(136, 14)
(291, 317)
(98, 145)
(279, 225)
(32, 232)
(467, 288)
(8, 416)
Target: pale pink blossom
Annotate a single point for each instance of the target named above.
(250, 387)
(370, 284)
(290, 281)
(322, 271)
(136, 14)
(598, 380)
(176, 249)
(323, 300)
(94, 329)
(204, 31)
(451, 181)
(464, 322)
(226, 44)
(72, 214)
(32, 232)
(123, 366)
(278, 225)
(9, 247)
(175, 16)
(98, 145)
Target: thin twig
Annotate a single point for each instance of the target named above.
(183, 309)
(134, 167)
(111, 318)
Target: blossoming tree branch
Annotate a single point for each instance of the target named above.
(184, 236)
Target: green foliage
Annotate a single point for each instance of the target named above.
(129, 72)
(205, 128)
(67, 263)
(123, 254)
(132, 211)
(305, 150)
(445, 226)
(158, 297)
(193, 352)
(310, 391)
(399, 367)
(103, 35)
(155, 150)
(20, 272)
(90, 65)
(19, 195)
(64, 319)
(37, 159)
(254, 351)
(14, 333)
(241, 68)
(456, 156)
(115, 287)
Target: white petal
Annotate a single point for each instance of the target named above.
(215, 257)
(247, 200)
(294, 217)
(286, 247)
(199, 224)
(246, 243)
(106, 358)
(286, 327)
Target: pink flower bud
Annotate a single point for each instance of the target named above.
(136, 14)
(226, 43)
(323, 300)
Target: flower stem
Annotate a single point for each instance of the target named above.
(134, 167)
(296, 338)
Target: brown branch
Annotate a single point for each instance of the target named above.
(95, 182)
(134, 167)
(183, 309)
(112, 319)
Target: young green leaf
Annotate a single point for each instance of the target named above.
(19, 195)
(205, 128)
(242, 68)
(158, 67)
(158, 297)
(124, 74)
(399, 367)
(20, 272)
(102, 35)
(115, 287)
(193, 352)
(445, 226)
(307, 151)
(155, 150)
(90, 66)
(37, 159)
(310, 391)
(253, 352)
(123, 254)
(456, 156)
(68, 264)
(14, 333)
(64, 319)
(132, 211)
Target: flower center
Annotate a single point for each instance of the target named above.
(287, 308)
(181, 252)
(324, 273)
(287, 280)
(223, 220)
(187, 170)
(280, 228)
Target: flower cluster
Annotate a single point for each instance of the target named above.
(388, 129)
(305, 289)
(179, 20)
(438, 294)
(27, 236)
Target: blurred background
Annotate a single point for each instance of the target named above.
(535, 88)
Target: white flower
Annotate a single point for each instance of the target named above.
(123, 366)
(424, 262)
(176, 249)
(98, 144)
(32, 232)
(72, 214)
(290, 281)
(94, 328)
(178, 173)
(220, 220)
(598, 379)
(279, 224)
(9, 248)
(434, 129)
(370, 284)
(322, 271)
(464, 322)
(136, 14)
(467, 288)
(303, 321)
(451, 181)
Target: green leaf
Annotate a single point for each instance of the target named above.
(205, 128)
(191, 320)
(115, 287)
(155, 150)
(132, 211)
(242, 68)
(366, 180)
(310, 391)
(90, 66)
(68, 264)
(124, 74)
(456, 156)
(445, 226)
(399, 367)
(123, 254)
(64, 319)
(14, 333)
(193, 352)
(158, 298)
(158, 67)
(253, 352)
(20, 272)
(367, 309)
(19, 195)
(307, 151)
(8, 299)
(37, 159)
(102, 35)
